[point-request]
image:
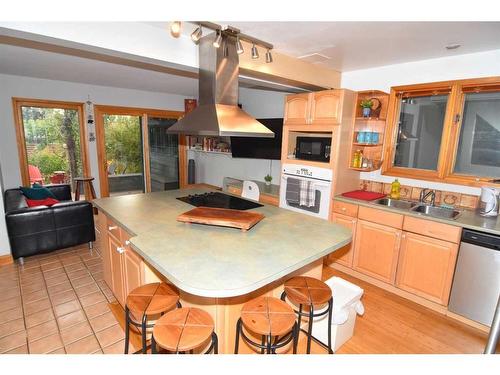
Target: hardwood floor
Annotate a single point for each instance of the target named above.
(394, 325)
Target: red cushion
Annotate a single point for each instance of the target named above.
(41, 202)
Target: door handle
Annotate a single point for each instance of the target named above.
(127, 242)
(120, 250)
(113, 227)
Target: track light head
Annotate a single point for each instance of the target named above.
(239, 46)
(196, 34)
(269, 57)
(218, 39)
(175, 29)
(255, 52)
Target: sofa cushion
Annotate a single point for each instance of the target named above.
(37, 193)
(41, 202)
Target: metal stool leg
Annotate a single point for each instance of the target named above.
(330, 312)
(237, 342)
(127, 329)
(153, 345)
(263, 342)
(296, 331)
(143, 331)
(309, 329)
(269, 343)
(215, 341)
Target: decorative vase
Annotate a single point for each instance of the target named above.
(366, 111)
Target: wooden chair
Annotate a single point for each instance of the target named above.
(303, 291)
(35, 175)
(147, 303)
(270, 318)
(184, 330)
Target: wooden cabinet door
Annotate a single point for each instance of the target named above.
(134, 270)
(116, 269)
(325, 107)
(376, 250)
(297, 109)
(344, 255)
(426, 267)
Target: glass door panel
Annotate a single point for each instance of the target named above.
(124, 154)
(52, 143)
(163, 154)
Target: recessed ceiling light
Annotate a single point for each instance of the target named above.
(453, 46)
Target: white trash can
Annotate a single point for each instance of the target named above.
(346, 305)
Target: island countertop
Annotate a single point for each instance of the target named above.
(211, 261)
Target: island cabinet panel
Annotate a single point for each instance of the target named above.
(133, 268)
(426, 267)
(376, 250)
(115, 250)
(297, 108)
(345, 254)
(325, 107)
(102, 245)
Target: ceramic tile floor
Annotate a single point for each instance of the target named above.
(58, 303)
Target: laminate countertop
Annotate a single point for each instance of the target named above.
(212, 261)
(467, 219)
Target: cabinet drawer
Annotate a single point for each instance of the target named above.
(345, 208)
(432, 229)
(113, 229)
(381, 217)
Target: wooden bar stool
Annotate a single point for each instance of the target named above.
(148, 302)
(183, 330)
(311, 293)
(82, 183)
(270, 318)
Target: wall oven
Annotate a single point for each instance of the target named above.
(295, 177)
(313, 148)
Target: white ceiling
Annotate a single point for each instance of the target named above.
(48, 65)
(361, 45)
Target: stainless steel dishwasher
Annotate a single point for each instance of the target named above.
(476, 284)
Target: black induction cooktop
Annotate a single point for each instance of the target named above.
(219, 200)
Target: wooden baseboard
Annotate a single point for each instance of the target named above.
(421, 301)
(6, 259)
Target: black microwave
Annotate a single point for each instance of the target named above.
(313, 148)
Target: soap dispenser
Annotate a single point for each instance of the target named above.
(395, 189)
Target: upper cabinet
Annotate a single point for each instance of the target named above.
(444, 131)
(316, 108)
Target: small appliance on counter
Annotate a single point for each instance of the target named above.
(219, 200)
(313, 148)
(489, 201)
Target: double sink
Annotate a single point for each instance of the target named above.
(420, 208)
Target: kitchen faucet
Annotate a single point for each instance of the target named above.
(428, 192)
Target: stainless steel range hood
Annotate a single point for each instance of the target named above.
(218, 113)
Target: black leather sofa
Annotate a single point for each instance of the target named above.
(37, 230)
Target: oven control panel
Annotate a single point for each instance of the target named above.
(308, 171)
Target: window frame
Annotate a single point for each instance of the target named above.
(18, 103)
(451, 130)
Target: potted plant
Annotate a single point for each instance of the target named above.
(268, 178)
(366, 104)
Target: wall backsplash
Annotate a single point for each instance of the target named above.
(413, 193)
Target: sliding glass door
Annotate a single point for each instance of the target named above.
(50, 137)
(135, 153)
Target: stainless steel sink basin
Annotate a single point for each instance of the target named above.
(405, 205)
(440, 212)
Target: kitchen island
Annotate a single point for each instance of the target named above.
(215, 268)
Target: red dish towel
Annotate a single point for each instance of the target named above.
(363, 195)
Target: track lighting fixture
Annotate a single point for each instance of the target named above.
(175, 29)
(269, 57)
(239, 46)
(255, 52)
(218, 39)
(196, 34)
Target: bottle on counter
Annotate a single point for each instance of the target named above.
(395, 189)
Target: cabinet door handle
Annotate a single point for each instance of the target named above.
(120, 250)
(113, 227)
(127, 242)
(344, 209)
(354, 221)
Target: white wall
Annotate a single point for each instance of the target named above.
(484, 64)
(212, 168)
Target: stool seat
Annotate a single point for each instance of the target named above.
(303, 290)
(183, 329)
(268, 316)
(151, 299)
